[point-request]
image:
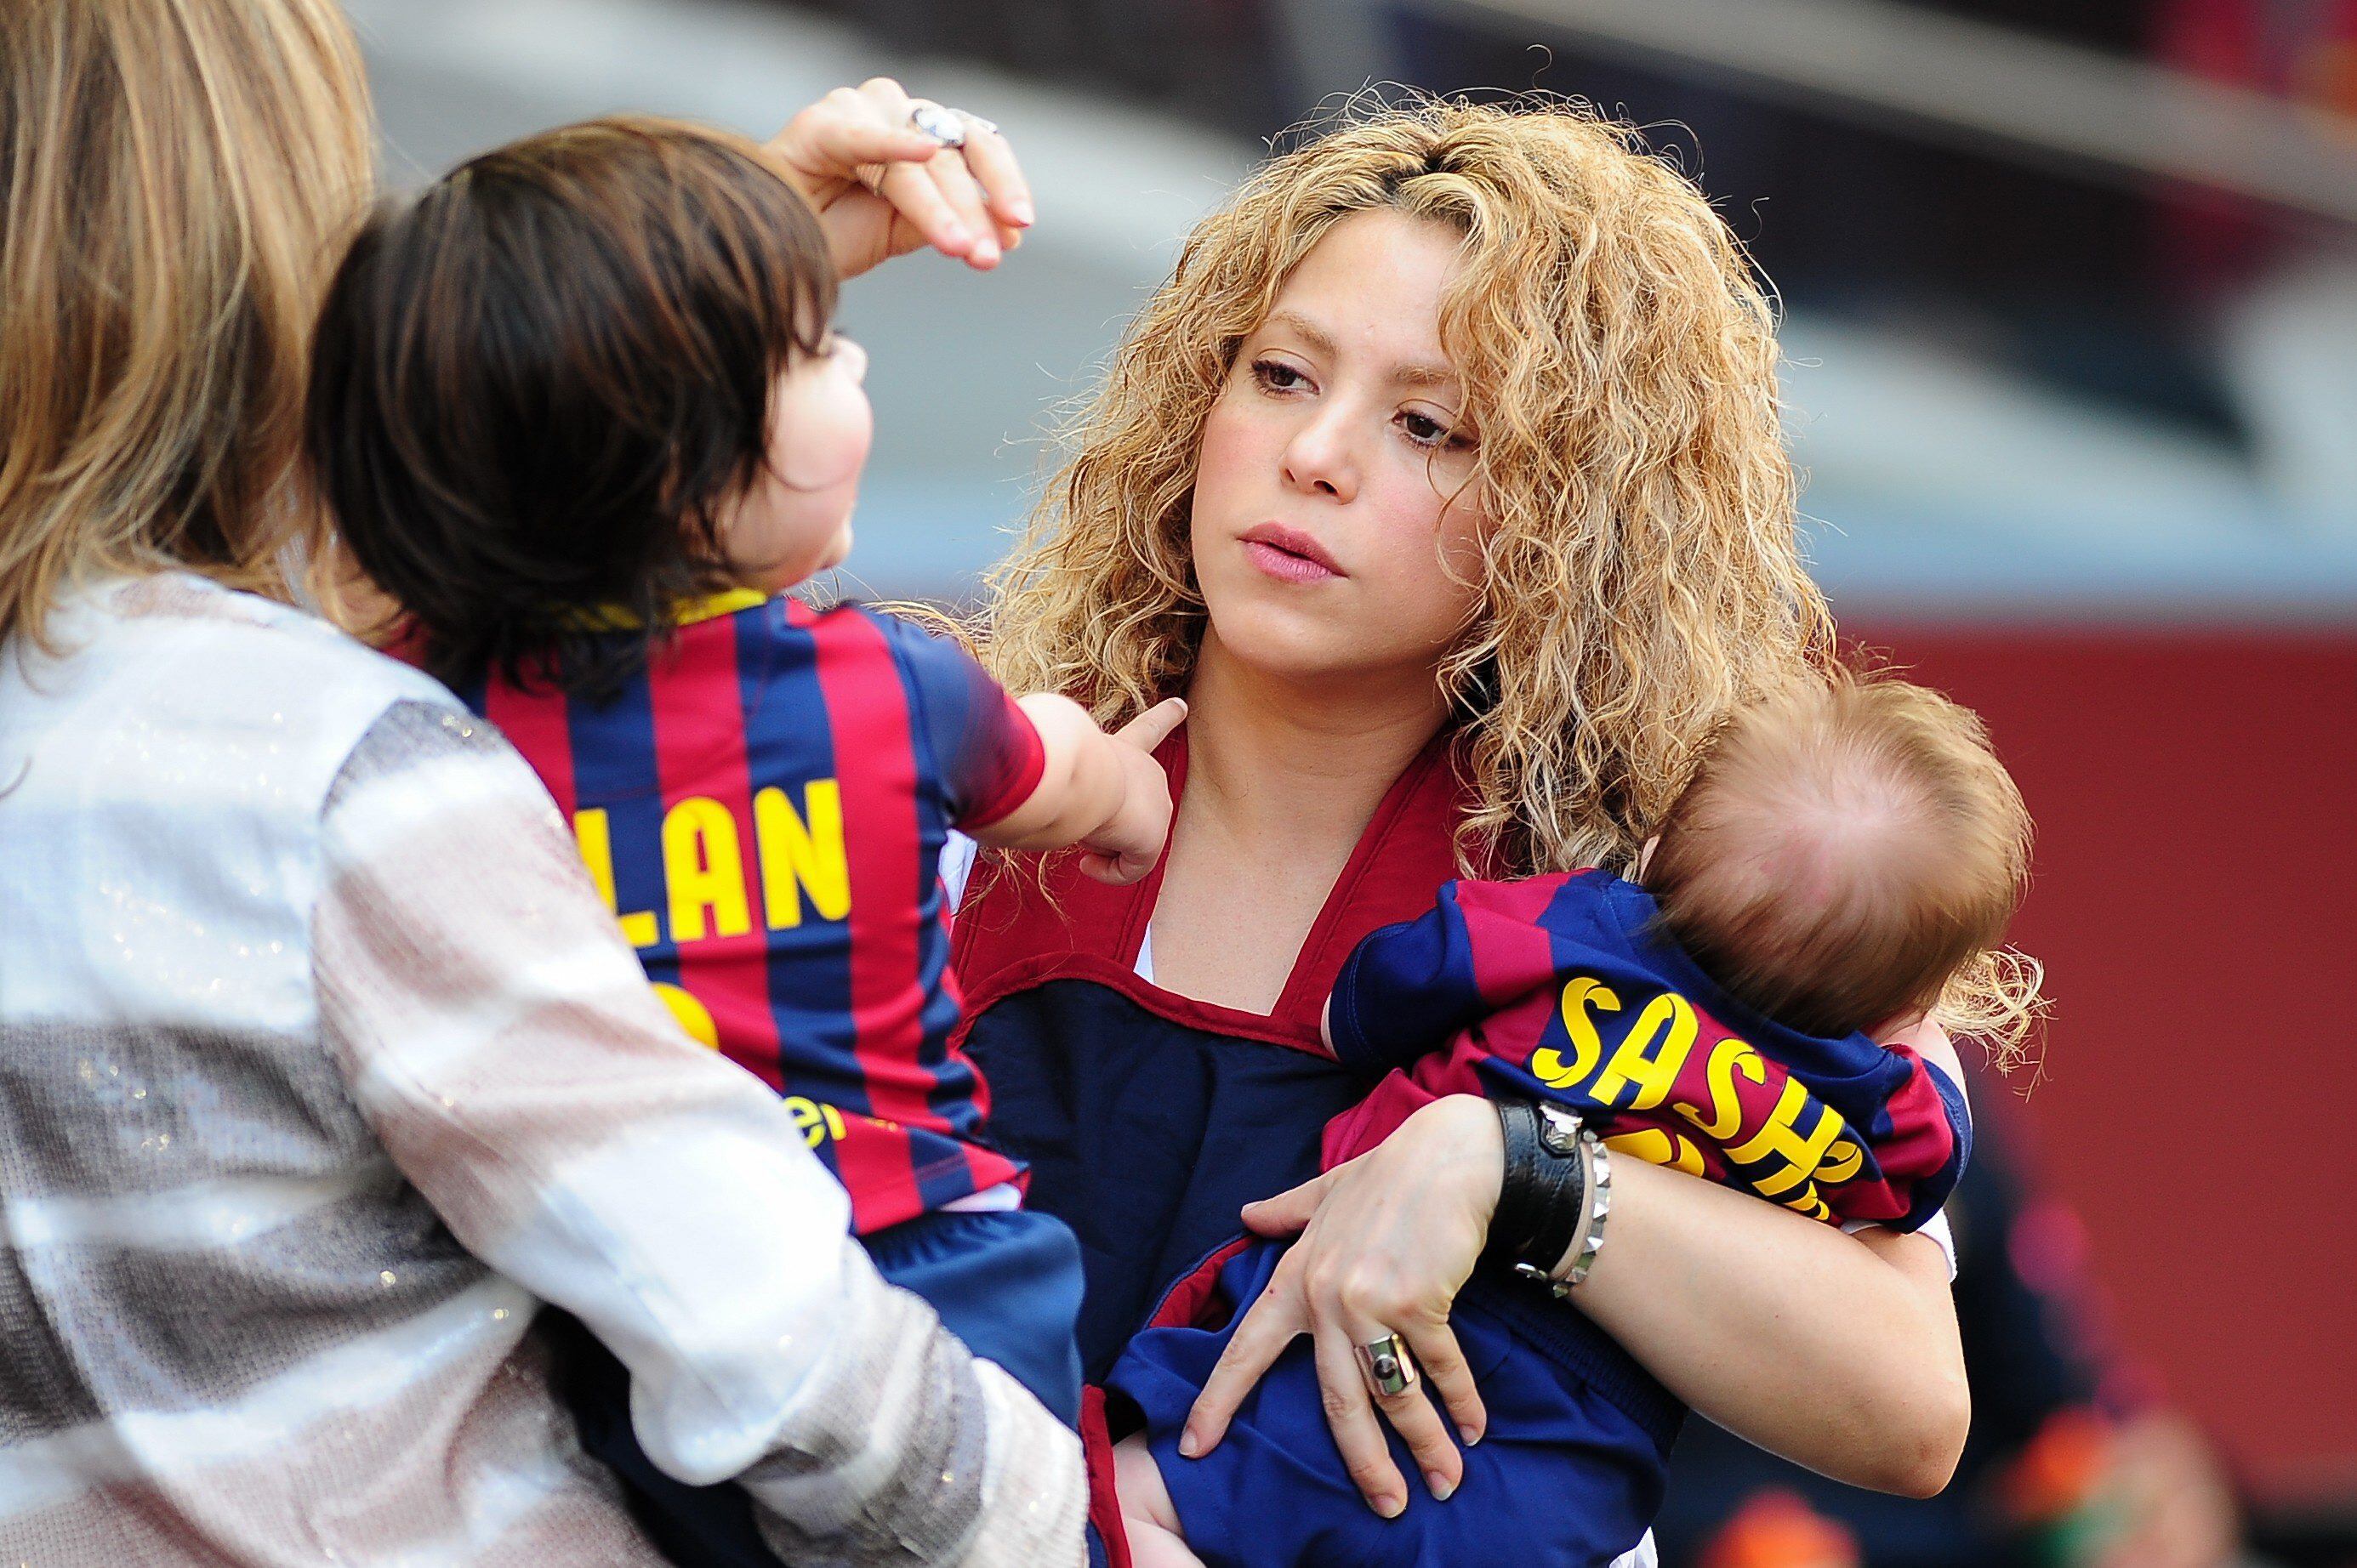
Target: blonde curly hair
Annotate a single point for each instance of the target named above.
(1641, 577)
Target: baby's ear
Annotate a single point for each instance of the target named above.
(1645, 855)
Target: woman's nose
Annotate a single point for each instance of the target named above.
(1319, 458)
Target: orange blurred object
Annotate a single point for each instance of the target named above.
(2059, 1473)
(1778, 1530)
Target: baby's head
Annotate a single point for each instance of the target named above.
(1843, 850)
(590, 372)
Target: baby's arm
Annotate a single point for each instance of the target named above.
(1407, 988)
(1105, 793)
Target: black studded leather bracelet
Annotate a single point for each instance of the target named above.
(1542, 1198)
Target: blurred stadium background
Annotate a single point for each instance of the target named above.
(2071, 296)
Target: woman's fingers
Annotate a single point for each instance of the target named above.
(1288, 1211)
(916, 198)
(1001, 178)
(1436, 1351)
(956, 183)
(971, 233)
(1352, 1418)
(844, 131)
(842, 143)
(881, 186)
(839, 152)
(1274, 1321)
(1412, 1414)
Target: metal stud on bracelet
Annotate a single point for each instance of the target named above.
(1599, 1210)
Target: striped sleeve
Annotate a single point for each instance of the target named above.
(987, 752)
(1407, 989)
(500, 1039)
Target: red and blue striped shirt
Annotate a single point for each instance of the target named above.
(763, 808)
(1562, 987)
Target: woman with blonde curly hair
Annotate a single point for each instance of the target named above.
(1445, 479)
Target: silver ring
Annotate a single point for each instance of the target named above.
(1386, 1366)
(946, 126)
(976, 121)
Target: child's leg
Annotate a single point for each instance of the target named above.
(1147, 1515)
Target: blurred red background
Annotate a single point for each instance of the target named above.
(2196, 797)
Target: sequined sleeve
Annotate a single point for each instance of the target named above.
(498, 1036)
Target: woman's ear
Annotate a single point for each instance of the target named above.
(1645, 855)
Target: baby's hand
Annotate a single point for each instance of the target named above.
(1130, 841)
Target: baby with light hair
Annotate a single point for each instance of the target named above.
(1842, 852)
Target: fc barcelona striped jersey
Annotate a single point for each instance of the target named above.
(763, 808)
(1562, 987)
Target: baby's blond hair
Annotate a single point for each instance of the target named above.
(1846, 850)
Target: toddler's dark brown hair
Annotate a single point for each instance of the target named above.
(536, 386)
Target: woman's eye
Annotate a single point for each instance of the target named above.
(1426, 431)
(1276, 376)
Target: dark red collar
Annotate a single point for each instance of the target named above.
(1007, 936)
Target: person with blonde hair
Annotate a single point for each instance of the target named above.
(325, 1063)
(1445, 479)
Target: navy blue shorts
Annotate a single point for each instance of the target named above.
(1568, 1474)
(1007, 1281)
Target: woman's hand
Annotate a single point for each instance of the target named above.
(881, 188)
(1386, 1243)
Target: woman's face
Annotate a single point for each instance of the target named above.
(1328, 535)
(796, 519)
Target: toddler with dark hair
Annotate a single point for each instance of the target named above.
(1842, 853)
(579, 409)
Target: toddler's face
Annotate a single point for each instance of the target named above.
(796, 520)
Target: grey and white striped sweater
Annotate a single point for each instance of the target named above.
(321, 1066)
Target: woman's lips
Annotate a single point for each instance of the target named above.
(1289, 557)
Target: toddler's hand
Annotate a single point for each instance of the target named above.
(1131, 840)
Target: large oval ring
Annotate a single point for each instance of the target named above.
(946, 126)
(1386, 1366)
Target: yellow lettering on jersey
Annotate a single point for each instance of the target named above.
(1778, 1137)
(802, 853)
(817, 1120)
(692, 1015)
(703, 871)
(1668, 1019)
(1583, 992)
(1810, 1204)
(592, 832)
(1727, 1058)
(1841, 1162)
(1656, 1147)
